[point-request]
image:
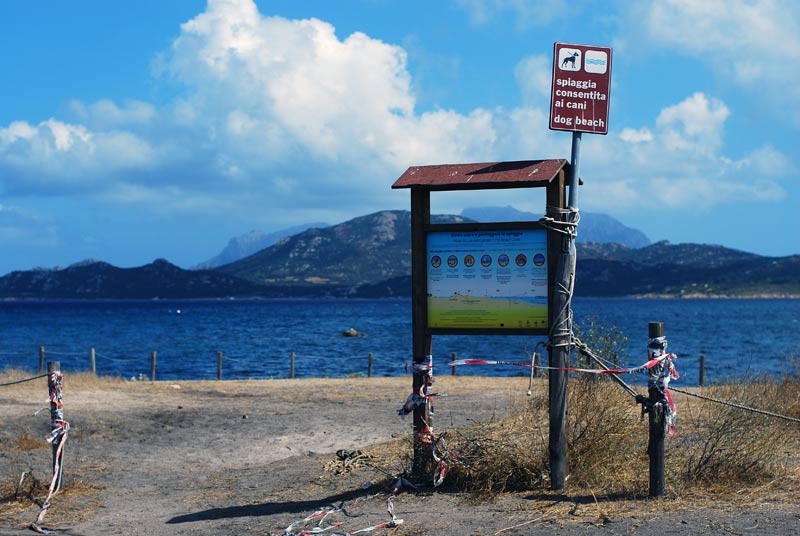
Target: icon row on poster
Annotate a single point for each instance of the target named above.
(503, 260)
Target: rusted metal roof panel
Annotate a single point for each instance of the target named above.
(487, 175)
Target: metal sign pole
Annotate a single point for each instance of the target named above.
(576, 170)
(561, 335)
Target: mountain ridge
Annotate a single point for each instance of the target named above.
(594, 227)
(370, 257)
(251, 242)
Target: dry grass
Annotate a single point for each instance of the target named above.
(82, 381)
(717, 449)
(726, 447)
(25, 441)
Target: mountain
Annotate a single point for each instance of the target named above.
(682, 270)
(594, 227)
(370, 257)
(244, 245)
(99, 280)
(365, 250)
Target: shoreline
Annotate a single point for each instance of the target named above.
(243, 299)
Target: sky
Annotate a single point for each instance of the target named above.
(131, 131)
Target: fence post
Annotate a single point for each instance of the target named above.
(369, 366)
(152, 366)
(702, 369)
(657, 424)
(291, 365)
(219, 365)
(41, 359)
(55, 394)
(92, 362)
(453, 357)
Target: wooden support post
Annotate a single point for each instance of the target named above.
(657, 425)
(92, 363)
(55, 395)
(291, 365)
(702, 379)
(369, 365)
(41, 360)
(219, 365)
(152, 366)
(421, 342)
(453, 357)
(561, 251)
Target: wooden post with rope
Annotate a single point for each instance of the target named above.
(561, 252)
(219, 365)
(152, 366)
(369, 365)
(657, 425)
(702, 378)
(54, 390)
(421, 344)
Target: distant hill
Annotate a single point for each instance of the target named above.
(365, 250)
(244, 245)
(594, 227)
(661, 270)
(370, 257)
(99, 280)
(681, 270)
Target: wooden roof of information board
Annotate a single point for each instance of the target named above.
(487, 175)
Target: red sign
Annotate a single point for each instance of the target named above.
(580, 94)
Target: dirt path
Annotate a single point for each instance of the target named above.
(248, 457)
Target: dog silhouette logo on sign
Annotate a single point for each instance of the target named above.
(570, 60)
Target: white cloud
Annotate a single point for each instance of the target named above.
(106, 114)
(679, 163)
(278, 116)
(632, 135)
(54, 157)
(694, 124)
(534, 78)
(18, 130)
(267, 101)
(753, 43)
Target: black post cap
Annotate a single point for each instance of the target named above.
(655, 329)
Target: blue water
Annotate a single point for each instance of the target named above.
(739, 338)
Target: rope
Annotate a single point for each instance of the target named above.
(584, 349)
(735, 405)
(564, 221)
(74, 354)
(23, 381)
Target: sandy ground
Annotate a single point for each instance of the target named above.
(250, 457)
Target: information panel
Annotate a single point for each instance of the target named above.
(579, 97)
(488, 279)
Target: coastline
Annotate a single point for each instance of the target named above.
(212, 299)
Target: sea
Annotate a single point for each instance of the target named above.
(741, 339)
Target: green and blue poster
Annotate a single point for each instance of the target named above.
(487, 279)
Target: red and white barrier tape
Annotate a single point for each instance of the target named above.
(58, 434)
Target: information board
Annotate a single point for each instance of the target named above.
(488, 279)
